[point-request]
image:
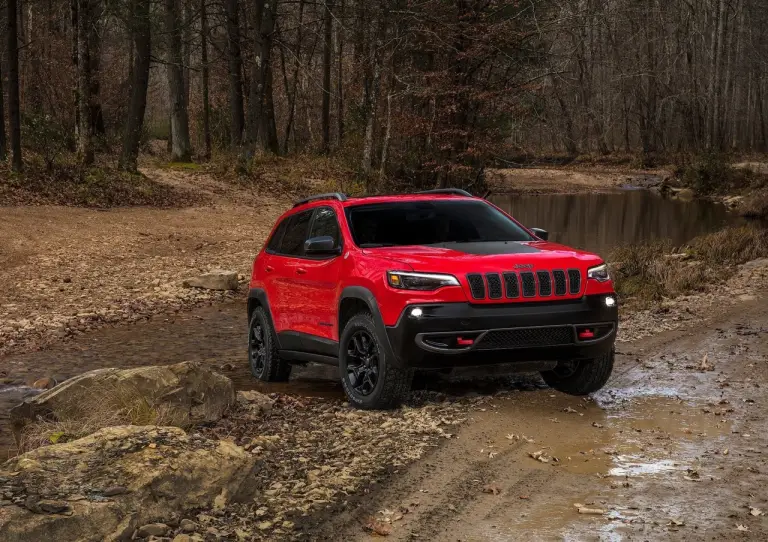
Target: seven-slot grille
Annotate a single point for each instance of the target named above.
(513, 285)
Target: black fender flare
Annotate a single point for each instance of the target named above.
(366, 296)
(258, 297)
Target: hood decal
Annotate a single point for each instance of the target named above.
(487, 248)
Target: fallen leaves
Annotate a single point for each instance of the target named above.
(539, 456)
(586, 510)
(741, 527)
(755, 511)
(705, 365)
(373, 526)
(492, 489)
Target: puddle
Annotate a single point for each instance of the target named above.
(625, 438)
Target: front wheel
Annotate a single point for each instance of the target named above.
(580, 377)
(370, 380)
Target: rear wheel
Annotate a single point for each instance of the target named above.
(369, 378)
(580, 377)
(263, 359)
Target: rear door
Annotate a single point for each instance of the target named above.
(319, 281)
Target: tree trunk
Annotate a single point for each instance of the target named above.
(260, 124)
(181, 151)
(205, 78)
(14, 108)
(387, 136)
(3, 142)
(141, 31)
(186, 47)
(291, 96)
(371, 96)
(256, 90)
(94, 43)
(327, 49)
(235, 63)
(340, 78)
(84, 103)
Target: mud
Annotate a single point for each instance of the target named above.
(672, 448)
(666, 451)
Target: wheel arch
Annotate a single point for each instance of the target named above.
(354, 299)
(258, 298)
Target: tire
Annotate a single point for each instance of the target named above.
(586, 377)
(263, 359)
(369, 379)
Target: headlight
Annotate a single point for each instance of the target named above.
(599, 273)
(403, 280)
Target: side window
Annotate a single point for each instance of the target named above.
(274, 241)
(295, 234)
(325, 224)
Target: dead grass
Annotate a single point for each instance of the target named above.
(755, 205)
(107, 407)
(647, 273)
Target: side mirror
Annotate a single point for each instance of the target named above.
(541, 234)
(320, 246)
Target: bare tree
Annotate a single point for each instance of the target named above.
(14, 106)
(182, 149)
(141, 35)
(3, 142)
(327, 50)
(84, 103)
(235, 64)
(205, 69)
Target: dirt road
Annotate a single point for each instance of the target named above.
(674, 448)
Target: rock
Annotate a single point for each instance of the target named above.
(685, 194)
(182, 538)
(218, 279)
(188, 526)
(44, 383)
(255, 401)
(183, 394)
(154, 529)
(166, 471)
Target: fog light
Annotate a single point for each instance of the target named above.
(417, 312)
(610, 301)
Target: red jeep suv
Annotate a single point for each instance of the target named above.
(384, 285)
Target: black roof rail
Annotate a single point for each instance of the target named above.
(330, 195)
(454, 191)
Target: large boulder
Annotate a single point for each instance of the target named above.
(218, 279)
(117, 482)
(181, 395)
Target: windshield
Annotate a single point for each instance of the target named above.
(431, 222)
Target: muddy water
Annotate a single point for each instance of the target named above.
(600, 222)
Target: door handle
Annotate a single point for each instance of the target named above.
(269, 269)
(301, 271)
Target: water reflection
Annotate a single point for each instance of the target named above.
(600, 222)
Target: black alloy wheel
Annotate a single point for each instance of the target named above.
(257, 348)
(362, 363)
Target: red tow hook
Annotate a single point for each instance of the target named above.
(586, 334)
(464, 342)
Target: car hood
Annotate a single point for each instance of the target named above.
(490, 256)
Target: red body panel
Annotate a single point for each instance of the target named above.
(304, 294)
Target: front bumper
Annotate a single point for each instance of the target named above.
(462, 334)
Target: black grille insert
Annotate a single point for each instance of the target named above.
(574, 278)
(529, 284)
(560, 284)
(512, 285)
(494, 285)
(500, 339)
(545, 283)
(476, 285)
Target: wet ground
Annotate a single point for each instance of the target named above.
(674, 448)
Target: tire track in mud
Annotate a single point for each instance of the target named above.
(661, 402)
